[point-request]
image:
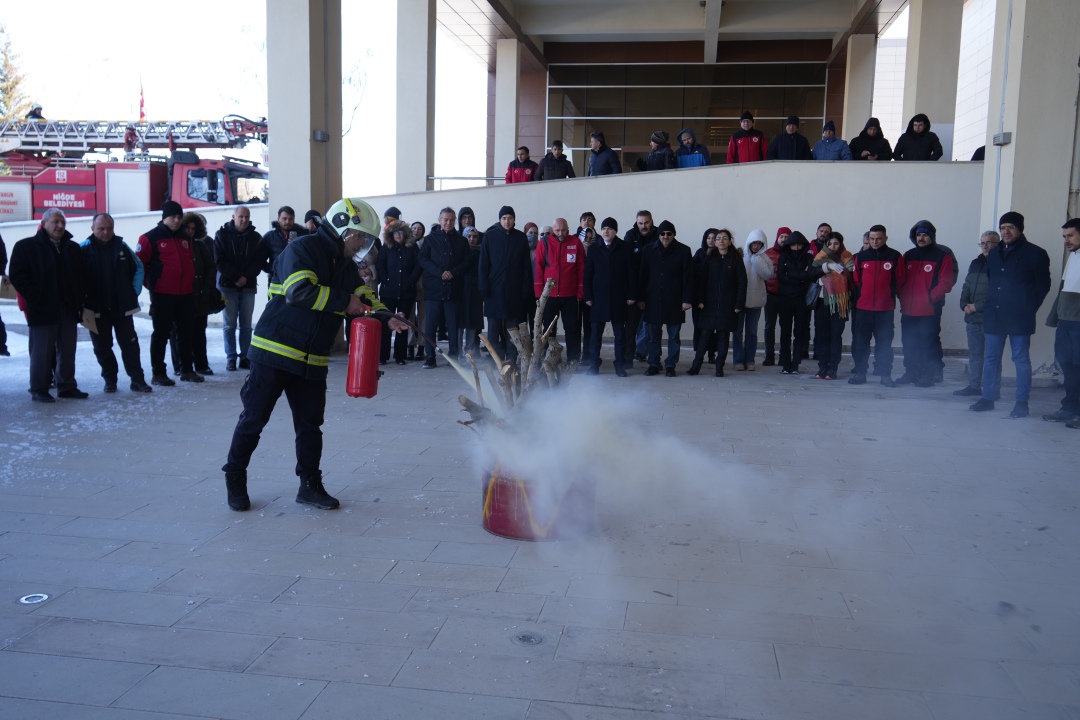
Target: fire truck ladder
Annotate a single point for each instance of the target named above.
(90, 135)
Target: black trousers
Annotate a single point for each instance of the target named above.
(919, 335)
(828, 339)
(586, 329)
(166, 310)
(3, 335)
(630, 331)
(876, 324)
(618, 329)
(772, 312)
(123, 327)
(401, 342)
(441, 313)
(307, 400)
(566, 308)
(805, 347)
(198, 344)
(792, 320)
(498, 334)
(711, 341)
(52, 355)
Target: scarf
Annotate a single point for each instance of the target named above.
(836, 285)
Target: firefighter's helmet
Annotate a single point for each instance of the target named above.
(353, 214)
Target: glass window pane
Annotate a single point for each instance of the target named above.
(713, 102)
(771, 128)
(607, 74)
(566, 101)
(804, 102)
(720, 132)
(654, 102)
(728, 74)
(766, 102)
(764, 74)
(567, 75)
(654, 74)
(638, 131)
(571, 132)
(805, 74)
(612, 129)
(605, 102)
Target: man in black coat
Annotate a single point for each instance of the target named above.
(283, 231)
(666, 283)
(444, 256)
(610, 290)
(918, 143)
(637, 238)
(46, 269)
(398, 268)
(555, 165)
(241, 255)
(113, 279)
(1019, 273)
(602, 159)
(505, 281)
(790, 145)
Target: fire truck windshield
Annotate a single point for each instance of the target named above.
(249, 187)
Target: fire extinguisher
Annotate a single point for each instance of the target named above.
(365, 340)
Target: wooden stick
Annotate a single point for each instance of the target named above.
(476, 378)
(491, 349)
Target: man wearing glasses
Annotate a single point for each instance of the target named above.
(1019, 274)
(973, 303)
(666, 286)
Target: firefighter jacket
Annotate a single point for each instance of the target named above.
(113, 276)
(563, 262)
(929, 276)
(309, 291)
(879, 274)
(167, 259)
(49, 277)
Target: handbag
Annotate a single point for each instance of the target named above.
(7, 290)
(812, 293)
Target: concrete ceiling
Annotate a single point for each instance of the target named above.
(477, 24)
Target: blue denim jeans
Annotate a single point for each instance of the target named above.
(674, 344)
(239, 305)
(1021, 357)
(744, 349)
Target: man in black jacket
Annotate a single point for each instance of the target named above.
(505, 281)
(918, 143)
(241, 255)
(444, 256)
(555, 165)
(790, 145)
(665, 283)
(637, 238)
(610, 290)
(113, 279)
(398, 267)
(602, 159)
(283, 231)
(46, 269)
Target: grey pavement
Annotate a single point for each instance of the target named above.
(844, 552)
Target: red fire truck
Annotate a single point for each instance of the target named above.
(46, 164)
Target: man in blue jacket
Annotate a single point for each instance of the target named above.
(690, 152)
(830, 147)
(602, 159)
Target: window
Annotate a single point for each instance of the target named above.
(206, 186)
(250, 187)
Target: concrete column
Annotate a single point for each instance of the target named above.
(303, 70)
(859, 87)
(415, 146)
(933, 63)
(1033, 90)
(507, 79)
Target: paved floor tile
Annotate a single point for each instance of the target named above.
(37, 545)
(538, 582)
(758, 598)
(226, 585)
(964, 707)
(586, 612)
(500, 675)
(13, 627)
(124, 529)
(138, 608)
(42, 710)
(394, 703)
(456, 576)
(720, 623)
(230, 696)
(380, 597)
(787, 700)
(85, 681)
(84, 573)
(12, 590)
(676, 692)
(366, 547)
(30, 522)
(472, 554)
(945, 640)
(1039, 683)
(542, 710)
(332, 661)
(499, 637)
(632, 589)
(471, 603)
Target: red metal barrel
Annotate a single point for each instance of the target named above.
(526, 510)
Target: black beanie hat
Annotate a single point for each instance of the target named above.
(506, 210)
(312, 215)
(792, 120)
(609, 222)
(746, 115)
(829, 126)
(1012, 218)
(392, 212)
(170, 208)
(659, 137)
(665, 226)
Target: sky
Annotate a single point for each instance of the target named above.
(210, 71)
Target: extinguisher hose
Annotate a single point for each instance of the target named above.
(384, 315)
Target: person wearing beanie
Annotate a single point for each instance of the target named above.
(759, 270)
(772, 299)
(660, 157)
(1019, 272)
(554, 165)
(602, 159)
(505, 281)
(666, 285)
(790, 144)
(609, 291)
(879, 273)
(391, 215)
(311, 221)
(871, 144)
(830, 147)
(917, 142)
(794, 274)
(167, 255)
(747, 144)
(930, 276)
(521, 169)
(691, 153)
(1065, 316)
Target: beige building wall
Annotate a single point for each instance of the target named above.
(973, 82)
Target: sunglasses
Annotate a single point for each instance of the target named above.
(667, 234)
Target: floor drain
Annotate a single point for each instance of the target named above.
(528, 638)
(33, 599)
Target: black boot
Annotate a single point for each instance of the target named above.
(720, 369)
(695, 367)
(236, 485)
(313, 493)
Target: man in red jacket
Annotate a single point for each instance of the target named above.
(561, 257)
(166, 253)
(521, 170)
(747, 144)
(879, 274)
(772, 299)
(929, 276)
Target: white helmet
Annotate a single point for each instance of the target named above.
(354, 214)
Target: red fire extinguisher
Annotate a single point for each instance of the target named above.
(365, 339)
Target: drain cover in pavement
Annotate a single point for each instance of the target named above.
(33, 599)
(528, 638)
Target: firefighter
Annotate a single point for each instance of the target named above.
(315, 283)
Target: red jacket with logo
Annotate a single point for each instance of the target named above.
(772, 285)
(930, 274)
(879, 274)
(167, 257)
(747, 146)
(519, 172)
(565, 262)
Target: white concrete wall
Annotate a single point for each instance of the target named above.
(973, 82)
(850, 196)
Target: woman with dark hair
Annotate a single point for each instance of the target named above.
(418, 233)
(708, 239)
(720, 295)
(833, 304)
(207, 297)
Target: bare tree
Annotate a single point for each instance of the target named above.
(353, 86)
(13, 101)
